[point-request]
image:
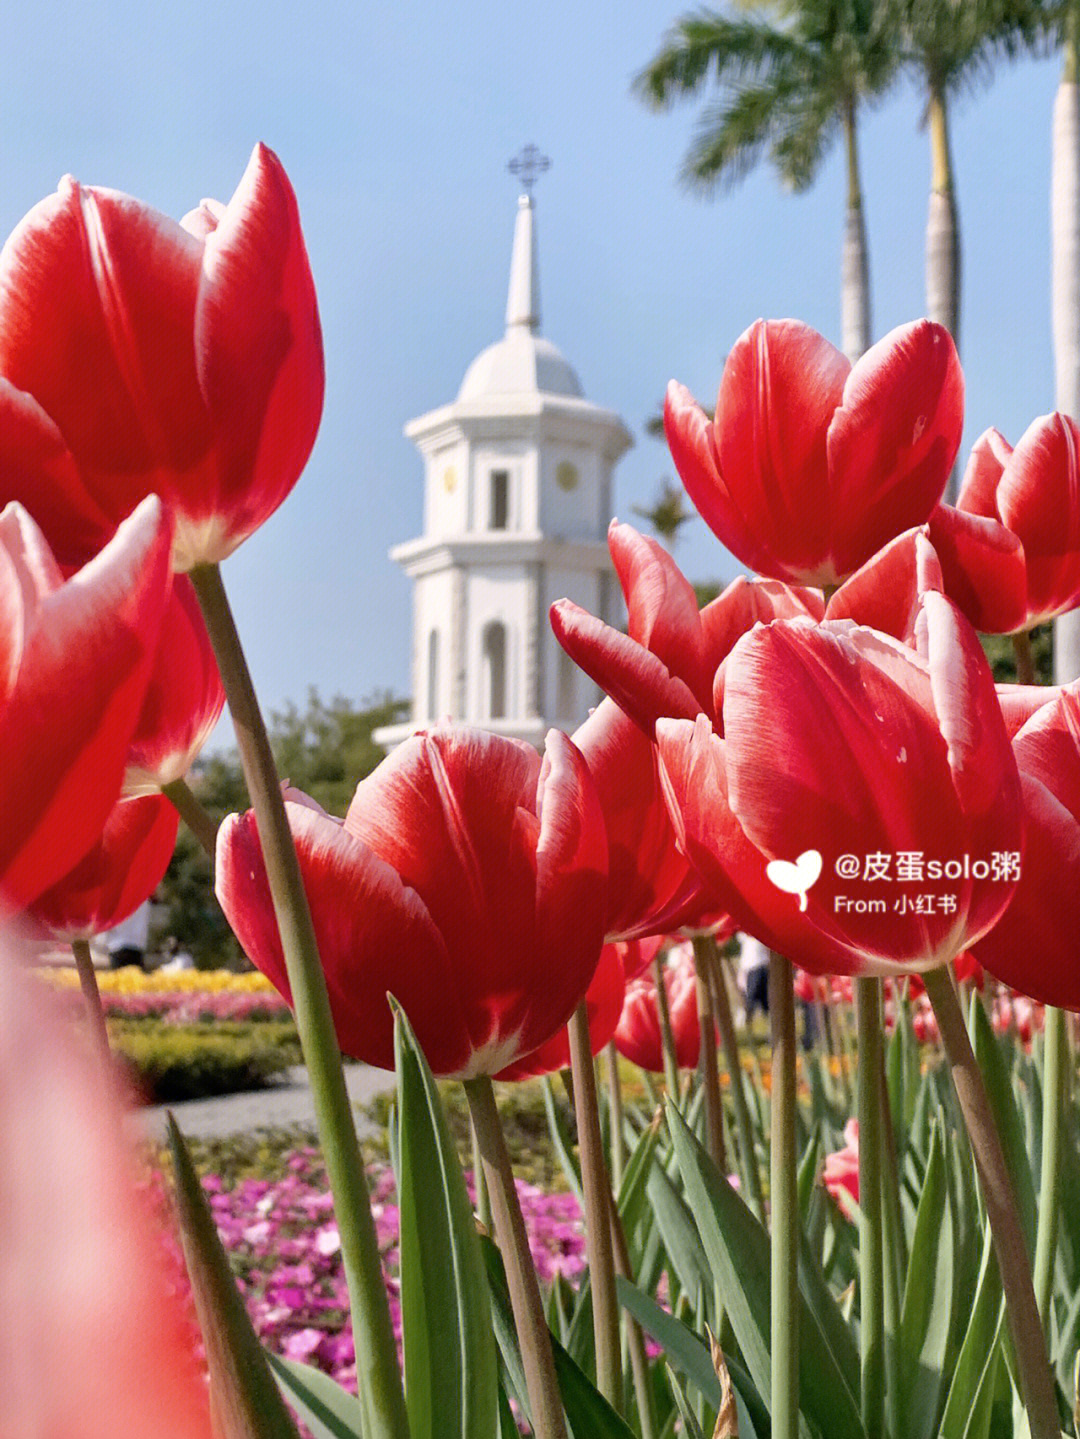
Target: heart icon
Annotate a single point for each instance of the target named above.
(798, 877)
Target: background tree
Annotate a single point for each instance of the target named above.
(790, 83)
(325, 750)
(952, 47)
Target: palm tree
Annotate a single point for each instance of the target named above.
(1064, 25)
(668, 512)
(789, 83)
(952, 46)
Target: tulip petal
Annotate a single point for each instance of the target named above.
(984, 569)
(184, 697)
(112, 284)
(893, 439)
(978, 490)
(639, 683)
(1032, 947)
(360, 909)
(95, 1341)
(92, 644)
(781, 386)
(121, 871)
(662, 607)
(645, 871)
(258, 345)
(1039, 500)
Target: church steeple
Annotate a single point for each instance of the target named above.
(523, 300)
(517, 499)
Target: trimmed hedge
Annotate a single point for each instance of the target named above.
(170, 1062)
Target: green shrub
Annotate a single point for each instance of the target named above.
(170, 1062)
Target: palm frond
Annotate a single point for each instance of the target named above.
(709, 47)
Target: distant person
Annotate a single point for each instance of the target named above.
(178, 960)
(126, 942)
(754, 977)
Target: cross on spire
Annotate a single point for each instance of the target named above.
(528, 165)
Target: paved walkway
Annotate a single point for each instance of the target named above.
(282, 1105)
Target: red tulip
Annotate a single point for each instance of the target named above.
(184, 698)
(74, 663)
(184, 360)
(1032, 948)
(121, 871)
(95, 1344)
(1033, 492)
(810, 465)
(638, 954)
(467, 880)
(857, 809)
(603, 1005)
(665, 664)
(841, 1172)
(981, 568)
(637, 1036)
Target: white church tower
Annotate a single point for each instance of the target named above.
(517, 499)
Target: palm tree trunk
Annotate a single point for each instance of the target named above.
(1065, 281)
(855, 260)
(942, 236)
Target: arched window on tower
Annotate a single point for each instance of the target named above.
(493, 647)
(433, 675)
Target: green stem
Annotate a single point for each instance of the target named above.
(84, 967)
(615, 1107)
(710, 1072)
(198, 820)
(378, 1376)
(869, 1021)
(534, 1339)
(784, 1199)
(1036, 1380)
(667, 1039)
(748, 1165)
(639, 1361)
(596, 1186)
(1025, 663)
(1055, 1070)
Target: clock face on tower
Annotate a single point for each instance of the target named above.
(566, 475)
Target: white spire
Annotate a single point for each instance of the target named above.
(523, 300)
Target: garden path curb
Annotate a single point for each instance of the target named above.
(280, 1106)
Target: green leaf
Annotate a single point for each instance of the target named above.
(329, 1411)
(996, 1075)
(928, 1300)
(688, 1354)
(246, 1397)
(632, 1191)
(680, 1236)
(808, 1172)
(980, 1341)
(507, 1423)
(738, 1251)
(691, 1428)
(560, 1139)
(588, 1413)
(450, 1356)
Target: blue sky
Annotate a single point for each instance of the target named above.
(395, 124)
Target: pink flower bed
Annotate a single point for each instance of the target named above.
(286, 1252)
(191, 1007)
